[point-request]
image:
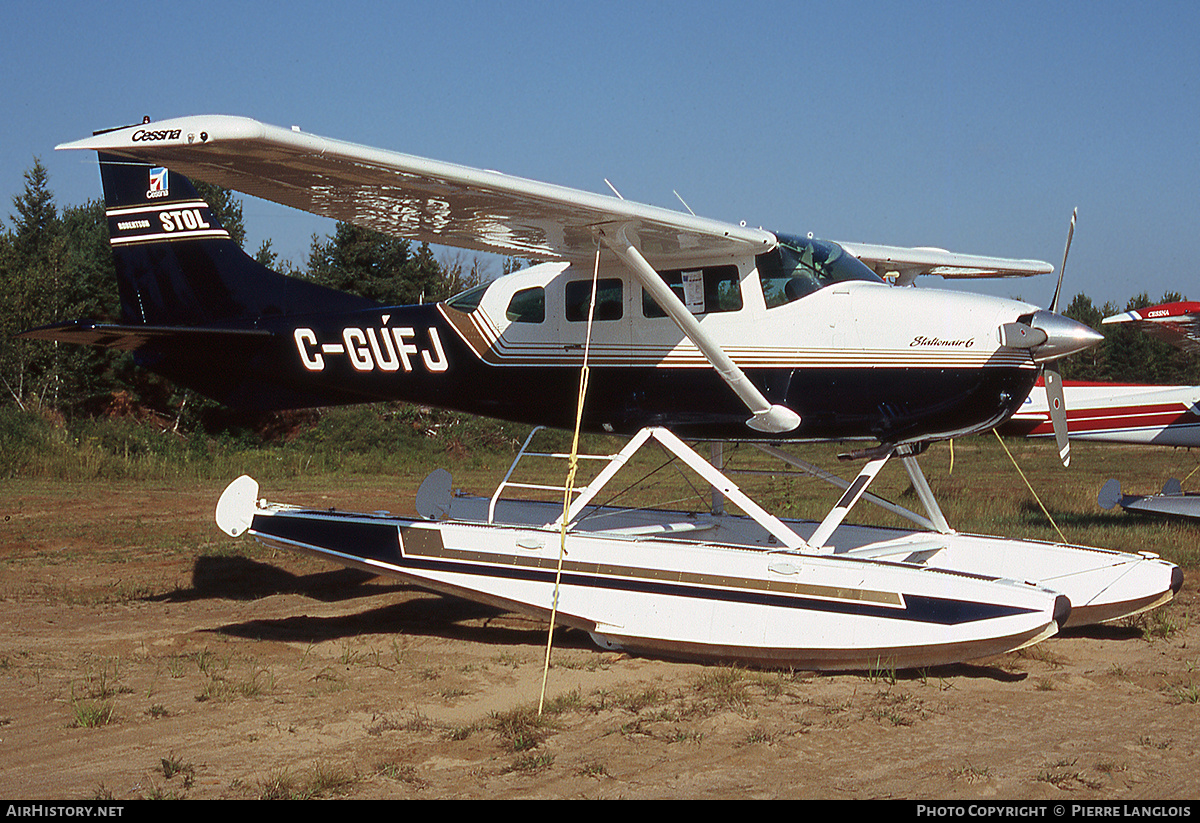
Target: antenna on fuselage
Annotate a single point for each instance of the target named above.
(685, 205)
(614, 189)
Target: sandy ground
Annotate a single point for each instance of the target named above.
(225, 671)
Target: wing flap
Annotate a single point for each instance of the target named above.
(413, 197)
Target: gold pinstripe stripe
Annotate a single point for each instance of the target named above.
(484, 339)
(427, 543)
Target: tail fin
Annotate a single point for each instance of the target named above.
(176, 264)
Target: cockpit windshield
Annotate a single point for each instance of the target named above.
(799, 266)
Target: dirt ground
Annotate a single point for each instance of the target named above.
(133, 665)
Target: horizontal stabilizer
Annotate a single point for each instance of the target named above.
(135, 337)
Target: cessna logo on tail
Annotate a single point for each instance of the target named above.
(158, 184)
(383, 349)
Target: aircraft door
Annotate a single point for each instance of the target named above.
(840, 319)
(611, 317)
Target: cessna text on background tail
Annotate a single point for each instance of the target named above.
(711, 329)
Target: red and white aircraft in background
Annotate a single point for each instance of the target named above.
(1124, 413)
(1143, 415)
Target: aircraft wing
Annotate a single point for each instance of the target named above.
(415, 198)
(1176, 323)
(908, 263)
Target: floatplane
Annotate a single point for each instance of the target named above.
(688, 329)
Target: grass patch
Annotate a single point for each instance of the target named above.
(760, 735)
(172, 767)
(521, 729)
(220, 687)
(723, 687)
(1183, 693)
(631, 701)
(899, 709)
(532, 763)
(971, 774)
(92, 714)
(402, 773)
(1061, 774)
(592, 770)
(322, 780)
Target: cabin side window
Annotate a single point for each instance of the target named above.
(527, 306)
(468, 301)
(711, 289)
(610, 299)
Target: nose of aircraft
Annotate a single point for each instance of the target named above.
(1063, 336)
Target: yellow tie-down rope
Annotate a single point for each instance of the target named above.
(1030, 486)
(572, 466)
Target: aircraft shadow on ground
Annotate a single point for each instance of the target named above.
(1118, 519)
(240, 578)
(437, 616)
(1105, 631)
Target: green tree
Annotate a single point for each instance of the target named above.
(1089, 364)
(461, 271)
(1131, 355)
(31, 273)
(89, 376)
(227, 207)
(1128, 354)
(377, 266)
(35, 225)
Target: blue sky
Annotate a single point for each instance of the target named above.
(970, 126)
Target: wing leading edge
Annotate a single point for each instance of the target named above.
(1176, 323)
(416, 198)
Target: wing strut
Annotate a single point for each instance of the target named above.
(768, 417)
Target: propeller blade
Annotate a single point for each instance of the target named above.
(1050, 373)
(1058, 411)
(1063, 267)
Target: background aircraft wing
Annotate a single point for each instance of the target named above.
(1176, 323)
(415, 198)
(908, 263)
